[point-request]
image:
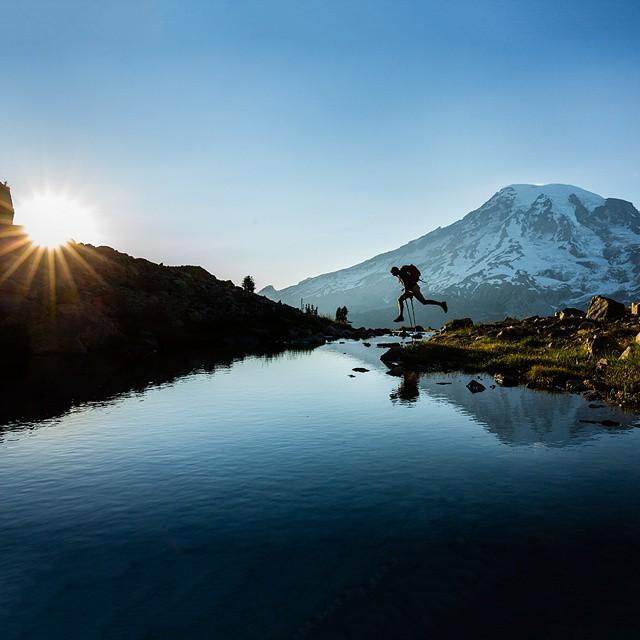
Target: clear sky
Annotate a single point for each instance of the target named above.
(287, 139)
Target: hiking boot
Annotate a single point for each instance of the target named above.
(444, 306)
(399, 319)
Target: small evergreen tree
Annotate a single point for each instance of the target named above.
(341, 314)
(248, 284)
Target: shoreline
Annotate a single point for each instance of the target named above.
(572, 353)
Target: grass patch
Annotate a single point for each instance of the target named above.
(548, 360)
(625, 374)
(493, 355)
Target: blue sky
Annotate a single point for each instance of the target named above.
(287, 139)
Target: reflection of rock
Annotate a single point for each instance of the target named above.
(408, 390)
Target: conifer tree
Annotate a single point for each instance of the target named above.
(248, 284)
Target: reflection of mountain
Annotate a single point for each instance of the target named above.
(56, 386)
(521, 416)
(515, 415)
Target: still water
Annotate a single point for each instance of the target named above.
(277, 497)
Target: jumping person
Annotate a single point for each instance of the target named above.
(409, 277)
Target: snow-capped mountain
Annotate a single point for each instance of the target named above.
(528, 249)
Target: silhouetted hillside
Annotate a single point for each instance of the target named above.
(82, 299)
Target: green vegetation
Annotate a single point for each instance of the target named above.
(527, 358)
(248, 284)
(341, 314)
(533, 360)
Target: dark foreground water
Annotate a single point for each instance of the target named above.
(280, 498)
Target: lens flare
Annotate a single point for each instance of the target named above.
(52, 220)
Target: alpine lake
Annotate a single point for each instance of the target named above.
(275, 496)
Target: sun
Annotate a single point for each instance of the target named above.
(54, 219)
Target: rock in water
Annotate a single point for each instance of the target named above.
(394, 354)
(397, 371)
(602, 308)
(505, 380)
(475, 387)
(360, 370)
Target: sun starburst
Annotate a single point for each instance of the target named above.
(53, 219)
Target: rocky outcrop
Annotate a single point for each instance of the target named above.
(569, 313)
(602, 308)
(458, 323)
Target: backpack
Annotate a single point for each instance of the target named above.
(410, 274)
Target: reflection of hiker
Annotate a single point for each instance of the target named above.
(409, 276)
(408, 390)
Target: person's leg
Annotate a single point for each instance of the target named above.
(418, 294)
(401, 300)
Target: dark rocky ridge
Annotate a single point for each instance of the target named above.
(83, 299)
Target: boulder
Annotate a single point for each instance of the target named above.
(360, 370)
(602, 308)
(628, 352)
(601, 344)
(457, 324)
(505, 380)
(396, 371)
(569, 313)
(394, 354)
(635, 308)
(513, 332)
(475, 387)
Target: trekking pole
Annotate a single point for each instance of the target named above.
(413, 309)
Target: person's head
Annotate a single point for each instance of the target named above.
(395, 271)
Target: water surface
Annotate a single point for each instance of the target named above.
(277, 497)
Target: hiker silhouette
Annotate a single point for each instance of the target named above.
(409, 276)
